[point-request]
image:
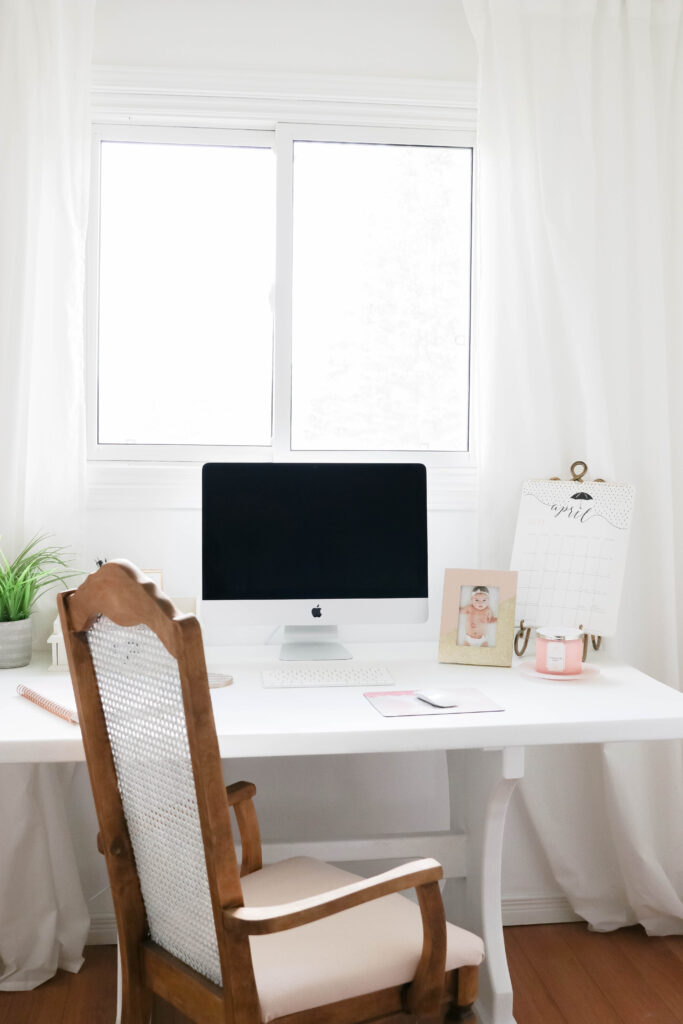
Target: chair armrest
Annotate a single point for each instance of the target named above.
(266, 920)
(423, 996)
(240, 799)
(240, 791)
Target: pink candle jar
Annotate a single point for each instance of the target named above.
(559, 651)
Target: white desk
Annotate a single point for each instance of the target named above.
(487, 750)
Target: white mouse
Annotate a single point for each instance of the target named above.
(438, 698)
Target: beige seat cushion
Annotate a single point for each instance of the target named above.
(367, 948)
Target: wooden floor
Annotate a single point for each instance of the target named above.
(561, 974)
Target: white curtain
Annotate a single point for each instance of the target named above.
(45, 51)
(580, 332)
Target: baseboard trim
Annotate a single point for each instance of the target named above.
(538, 910)
(102, 930)
(526, 910)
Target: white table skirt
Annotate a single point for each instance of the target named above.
(44, 916)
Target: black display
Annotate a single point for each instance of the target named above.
(283, 531)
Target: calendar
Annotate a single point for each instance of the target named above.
(570, 553)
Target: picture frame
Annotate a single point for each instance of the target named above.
(478, 617)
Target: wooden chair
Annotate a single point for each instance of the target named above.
(298, 942)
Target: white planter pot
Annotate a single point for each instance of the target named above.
(15, 643)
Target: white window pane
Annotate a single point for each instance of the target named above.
(186, 273)
(381, 297)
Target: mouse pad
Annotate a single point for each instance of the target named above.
(398, 703)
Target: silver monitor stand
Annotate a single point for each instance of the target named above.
(312, 643)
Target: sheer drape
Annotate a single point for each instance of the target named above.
(580, 326)
(45, 51)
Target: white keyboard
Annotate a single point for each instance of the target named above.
(290, 676)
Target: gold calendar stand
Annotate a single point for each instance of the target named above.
(578, 471)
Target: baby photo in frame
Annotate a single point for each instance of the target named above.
(478, 617)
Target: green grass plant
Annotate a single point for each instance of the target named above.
(35, 569)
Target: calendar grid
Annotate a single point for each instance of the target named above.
(570, 555)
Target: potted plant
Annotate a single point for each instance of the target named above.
(35, 569)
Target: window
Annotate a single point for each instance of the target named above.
(363, 346)
(381, 282)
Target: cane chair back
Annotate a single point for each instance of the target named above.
(142, 703)
(141, 688)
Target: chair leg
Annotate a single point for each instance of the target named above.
(135, 1001)
(459, 1013)
(136, 1008)
(466, 986)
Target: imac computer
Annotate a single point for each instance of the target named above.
(310, 546)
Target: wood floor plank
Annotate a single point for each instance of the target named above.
(532, 1003)
(6, 999)
(632, 994)
(573, 989)
(93, 990)
(46, 1003)
(675, 945)
(561, 974)
(654, 963)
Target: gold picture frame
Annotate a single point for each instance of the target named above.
(478, 617)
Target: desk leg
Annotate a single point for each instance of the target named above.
(490, 777)
(118, 983)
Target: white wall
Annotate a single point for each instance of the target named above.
(387, 38)
(408, 39)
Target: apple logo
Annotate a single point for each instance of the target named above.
(316, 612)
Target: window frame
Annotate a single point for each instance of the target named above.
(280, 137)
(286, 134)
(159, 453)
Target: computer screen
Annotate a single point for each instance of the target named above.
(314, 543)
